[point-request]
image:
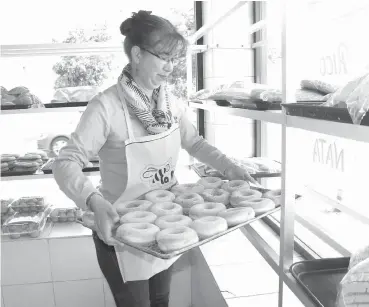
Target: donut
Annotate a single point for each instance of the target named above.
(132, 205)
(187, 200)
(206, 209)
(176, 238)
(235, 216)
(166, 208)
(138, 233)
(187, 188)
(208, 226)
(274, 195)
(216, 196)
(211, 182)
(260, 205)
(169, 221)
(234, 185)
(159, 196)
(243, 194)
(138, 217)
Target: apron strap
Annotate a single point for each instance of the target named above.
(126, 112)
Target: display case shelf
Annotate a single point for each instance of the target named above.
(42, 110)
(40, 176)
(343, 130)
(267, 116)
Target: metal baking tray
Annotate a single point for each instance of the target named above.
(155, 251)
(321, 278)
(316, 111)
(66, 104)
(47, 167)
(199, 168)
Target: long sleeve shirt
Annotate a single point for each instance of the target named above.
(102, 131)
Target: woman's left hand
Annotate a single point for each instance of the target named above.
(238, 173)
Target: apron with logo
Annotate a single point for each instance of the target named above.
(151, 161)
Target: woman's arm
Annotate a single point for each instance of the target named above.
(86, 141)
(197, 146)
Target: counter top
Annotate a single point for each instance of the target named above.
(76, 230)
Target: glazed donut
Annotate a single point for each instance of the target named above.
(206, 209)
(132, 205)
(176, 238)
(138, 233)
(260, 205)
(235, 216)
(243, 194)
(169, 221)
(160, 196)
(187, 200)
(208, 226)
(274, 195)
(166, 208)
(138, 217)
(211, 182)
(187, 188)
(234, 185)
(216, 196)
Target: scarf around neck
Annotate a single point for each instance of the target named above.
(155, 121)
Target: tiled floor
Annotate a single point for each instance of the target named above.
(243, 276)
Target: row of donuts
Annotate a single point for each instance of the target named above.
(159, 217)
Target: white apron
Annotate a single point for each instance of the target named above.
(151, 162)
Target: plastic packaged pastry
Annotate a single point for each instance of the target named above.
(353, 290)
(60, 215)
(29, 204)
(20, 224)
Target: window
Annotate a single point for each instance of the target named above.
(52, 77)
(328, 45)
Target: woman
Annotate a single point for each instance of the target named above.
(137, 130)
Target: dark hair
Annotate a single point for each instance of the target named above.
(152, 32)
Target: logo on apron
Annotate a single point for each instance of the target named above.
(159, 175)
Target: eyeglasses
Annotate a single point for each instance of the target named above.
(174, 61)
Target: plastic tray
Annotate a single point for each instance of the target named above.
(320, 278)
(66, 104)
(29, 204)
(47, 167)
(62, 215)
(16, 229)
(316, 111)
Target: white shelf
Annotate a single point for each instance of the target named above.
(42, 110)
(334, 203)
(348, 131)
(268, 116)
(40, 176)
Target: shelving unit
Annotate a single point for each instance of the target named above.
(282, 264)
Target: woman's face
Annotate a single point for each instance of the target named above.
(153, 70)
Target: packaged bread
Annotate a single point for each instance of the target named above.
(19, 90)
(353, 290)
(360, 255)
(19, 224)
(29, 204)
(58, 215)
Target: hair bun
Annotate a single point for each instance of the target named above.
(141, 15)
(126, 26)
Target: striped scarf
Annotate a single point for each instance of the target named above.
(155, 120)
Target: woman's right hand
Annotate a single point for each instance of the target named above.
(105, 218)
